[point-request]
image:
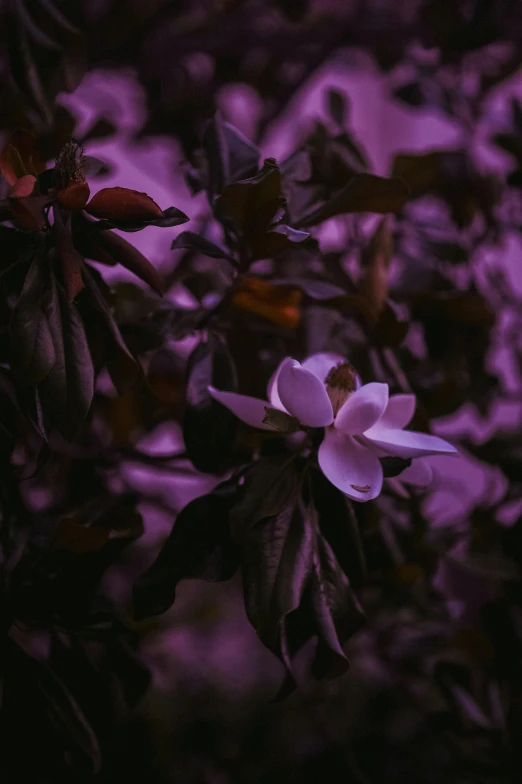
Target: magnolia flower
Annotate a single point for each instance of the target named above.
(362, 422)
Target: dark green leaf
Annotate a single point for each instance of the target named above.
(70, 260)
(132, 259)
(103, 330)
(199, 546)
(266, 244)
(32, 349)
(336, 610)
(281, 421)
(66, 392)
(364, 193)
(230, 155)
(394, 466)
(277, 556)
(209, 429)
(270, 485)
(193, 241)
(338, 524)
(171, 217)
(252, 204)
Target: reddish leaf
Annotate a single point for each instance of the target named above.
(23, 187)
(123, 204)
(74, 197)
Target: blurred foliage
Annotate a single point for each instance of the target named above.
(428, 616)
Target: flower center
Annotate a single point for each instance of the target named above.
(340, 382)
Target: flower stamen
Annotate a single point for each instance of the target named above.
(340, 382)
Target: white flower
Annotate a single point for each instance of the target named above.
(362, 422)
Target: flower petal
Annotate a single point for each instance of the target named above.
(249, 409)
(320, 364)
(304, 396)
(350, 466)
(272, 391)
(419, 473)
(408, 443)
(362, 409)
(399, 411)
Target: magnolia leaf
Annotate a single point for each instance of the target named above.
(168, 218)
(74, 196)
(119, 251)
(339, 525)
(394, 466)
(122, 205)
(230, 155)
(266, 244)
(364, 193)
(280, 420)
(199, 546)
(276, 562)
(252, 204)
(70, 259)
(193, 241)
(103, 330)
(336, 610)
(66, 391)
(209, 429)
(268, 487)
(32, 347)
